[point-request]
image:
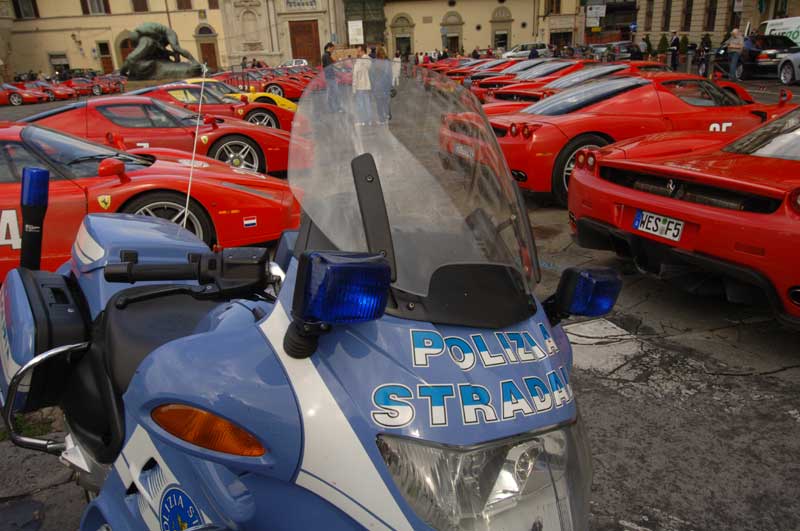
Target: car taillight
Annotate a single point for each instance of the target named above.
(762, 56)
(528, 130)
(794, 201)
(580, 159)
(513, 130)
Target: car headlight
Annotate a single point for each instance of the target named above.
(532, 481)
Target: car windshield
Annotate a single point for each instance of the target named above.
(584, 74)
(12, 88)
(520, 66)
(491, 64)
(437, 140)
(178, 113)
(778, 139)
(543, 69)
(217, 92)
(223, 88)
(75, 155)
(579, 97)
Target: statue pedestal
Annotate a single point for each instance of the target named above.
(157, 69)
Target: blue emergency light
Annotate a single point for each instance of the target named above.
(35, 187)
(341, 288)
(595, 292)
(33, 203)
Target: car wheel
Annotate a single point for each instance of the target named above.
(787, 73)
(262, 117)
(275, 89)
(15, 100)
(238, 151)
(172, 206)
(96, 90)
(50, 96)
(565, 163)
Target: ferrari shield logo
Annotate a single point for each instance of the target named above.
(104, 201)
(204, 139)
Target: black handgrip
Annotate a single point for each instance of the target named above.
(130, 272)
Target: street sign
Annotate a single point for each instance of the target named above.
(355, 31)
(596, 11)
(592, 21)
(633, 27)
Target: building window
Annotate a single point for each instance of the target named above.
(686, 25)
(140, 6)
(711, 16)
(213, 4)
(184, 4)
(553, 7)
(26, 9)
(648, 16)
(300, 4)
(667, 15)
(781, 9)
(95, 7)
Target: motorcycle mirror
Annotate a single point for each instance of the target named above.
(110, 168)
(586, 292)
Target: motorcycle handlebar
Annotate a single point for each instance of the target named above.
(130, 272)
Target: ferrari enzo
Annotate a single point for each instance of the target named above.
(540, 142)
(129, 122)
(53, 92)
(725, 214)
(188, 96)
(228, 206)
(11, 95)
(251, 80)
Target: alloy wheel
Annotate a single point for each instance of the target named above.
(15, 99)
(239, 155)
(173, 212)
(787, 74)
(262, 118)
(275, 89)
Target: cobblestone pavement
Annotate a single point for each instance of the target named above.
(692, 406)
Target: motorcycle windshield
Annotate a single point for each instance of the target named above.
(449, 195)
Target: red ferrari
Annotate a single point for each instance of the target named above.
(540, 142)
(53, 92)
(496, 65)
(285, 88)
(188, 95)
(84, 86)
(229, 207)
(536, 77)
(11, 95)
(515, 97)
(137, 121)
(696, 204)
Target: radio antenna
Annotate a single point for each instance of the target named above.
(194, 145)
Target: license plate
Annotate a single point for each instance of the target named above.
(463, 151)
(669, 228)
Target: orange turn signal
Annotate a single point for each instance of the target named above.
(206, 430)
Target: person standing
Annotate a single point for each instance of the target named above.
(416, 58)
(362, 86)
(380, 77)
(735, 47)
(397, 65)
(636, 51)
(426, 59)
(534, 53)
(244, 62)
(674, 48)
(331, 84)
(475, 53)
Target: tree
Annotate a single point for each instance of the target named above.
(663, 44)
(684, 45)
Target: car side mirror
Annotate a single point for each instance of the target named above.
(210, 120)
(115, 140)
(110, 168)
(583, 291)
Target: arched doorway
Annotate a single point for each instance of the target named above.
(501, 28)
(452, 31)
(125, 48)
(403, 34)
(206, 39)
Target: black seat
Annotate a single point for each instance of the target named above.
(135, 330)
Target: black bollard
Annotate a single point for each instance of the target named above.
(35, 191)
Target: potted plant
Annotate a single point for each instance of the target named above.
(663, 48)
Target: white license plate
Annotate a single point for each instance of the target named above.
(669, 228)
(464, 151)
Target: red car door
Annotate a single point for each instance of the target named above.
(65, 211)
(141, 126)
(700, 105)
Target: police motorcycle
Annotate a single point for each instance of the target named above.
(390, 368)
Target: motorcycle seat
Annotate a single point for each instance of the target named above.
(133, 331)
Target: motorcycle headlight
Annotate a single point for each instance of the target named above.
(533, 481)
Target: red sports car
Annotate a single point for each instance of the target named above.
(229, 207)
(495, 65)
(536, 77)
(137, 121)
(286, 88)
(84, 86)
(693, 203)
(188, 95)
(515, 97)
(53, 92)
(11, 95)
(509, 72)
(540, 142)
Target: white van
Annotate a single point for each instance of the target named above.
(523, 50)
(782, 26)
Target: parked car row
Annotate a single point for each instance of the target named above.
(23, 92)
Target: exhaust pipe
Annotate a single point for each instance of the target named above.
(35, 190)
(794, 295)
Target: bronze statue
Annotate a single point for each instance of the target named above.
(151, 59)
